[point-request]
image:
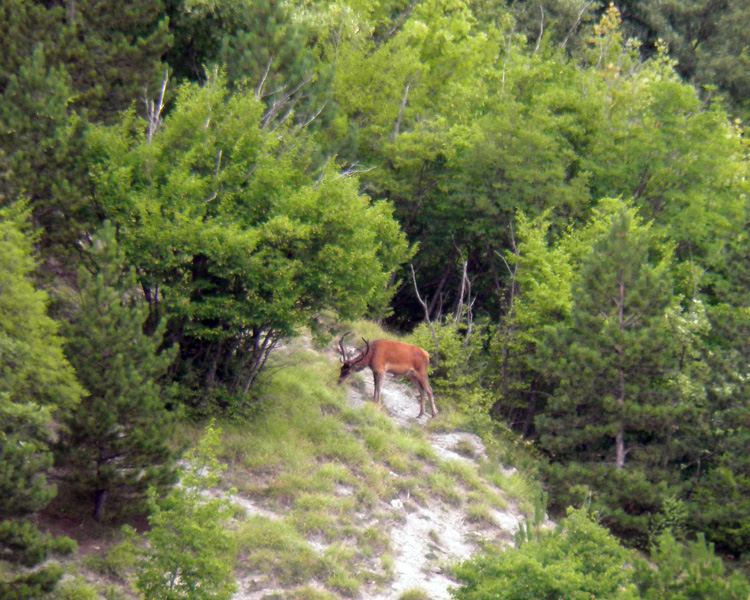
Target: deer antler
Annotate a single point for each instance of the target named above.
(364, 354)
(344, 356)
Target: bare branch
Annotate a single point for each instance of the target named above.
(262, 84)
(507, 266)
(153, 112)
(287, 101)
(218, 163)
(400, 20)
(541, 30)
(426, 316)
(353, 170)
(315, 116)
(575, 25)
(397, 127)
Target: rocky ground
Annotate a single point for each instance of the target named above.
(426, 536)
(437, 534)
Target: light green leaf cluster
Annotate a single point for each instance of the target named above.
(579, 561)
(37, 387)
(234, 231)
(190, 552)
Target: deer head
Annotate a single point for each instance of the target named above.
(352, 365)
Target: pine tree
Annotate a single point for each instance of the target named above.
(624, 387)
(41, 148)
(118, 439)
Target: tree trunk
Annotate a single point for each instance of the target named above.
(100, 496)
(620, 436)
(528, 421)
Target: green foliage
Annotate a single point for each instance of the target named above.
(414, 594)
(540, 298)
(719, 503)
(37, 387)
(75, 589)
(489, 133)
(530, 530)
(672, 518)
(32, 585)
(34, 370)
(118, 439)
(579, 560)
(676, 571)
(264, 42)
(42, 145)
(190, 552)
(237, 238)
(618, 365)
(110, 50)
(454, 364)
(704, 38)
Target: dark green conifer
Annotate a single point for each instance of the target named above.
(118, 442)
(626, 402)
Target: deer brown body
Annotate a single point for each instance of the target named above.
(398, 358)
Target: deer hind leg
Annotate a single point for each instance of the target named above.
(424, 385)
(417, 384)
(428, 389)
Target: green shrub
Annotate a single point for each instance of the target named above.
(75, 589)
(308, 592)
(445, 487)
(581, 560)
(456, 370)
(480, 513)
(414, 594)
(116, 563)
(676, 571)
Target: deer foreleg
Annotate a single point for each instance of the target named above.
(377, 380)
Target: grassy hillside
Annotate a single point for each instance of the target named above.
(333, 499)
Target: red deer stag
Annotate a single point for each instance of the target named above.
(386, 356)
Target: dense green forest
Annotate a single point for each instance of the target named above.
(552, 195)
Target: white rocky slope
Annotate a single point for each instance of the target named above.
(425, 536)
(436, 534)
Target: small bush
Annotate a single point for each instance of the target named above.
(344, 583)
(116, 563)
(480, 513)
(340, 566)
(310, 593)
(580, 560)
(75, 589)
(464, 472)
(372, 541)
(414, 594)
